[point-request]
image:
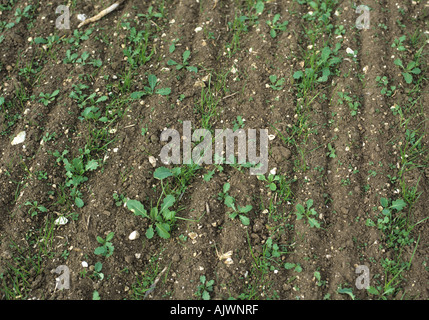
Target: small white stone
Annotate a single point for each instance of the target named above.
(134, 235)
(152, 161)
(20, 138)
(84, 264)
(198, 29)
(61, 221)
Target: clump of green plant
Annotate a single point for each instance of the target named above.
(35, 208)
(47, 98)
(97, 274)
(184, 63)
(75, 171)
(353, 104)
(383, 82)
(411, 69)
(204, 288)
(236, 210)
(153, 80)
(318, 67)
(275, 83)
(295, 266)
(106, 249)
(276, 26)
(271, 180)
(119, 199)
(308, 213)
(331, 152)
(160, 214)
(398, 43)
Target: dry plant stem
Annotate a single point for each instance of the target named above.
(101, 14)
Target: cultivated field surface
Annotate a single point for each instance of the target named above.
(340, 88)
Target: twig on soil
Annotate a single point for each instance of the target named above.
(233, 94)
(152, 287)
(101, 14)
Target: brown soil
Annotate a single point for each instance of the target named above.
(363, 143)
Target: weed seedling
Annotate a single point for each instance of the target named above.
(35, 208)
(184, 63)
(106, 249)
(47, 98)
(153, 80)
(308, 213)
(276, 26)
(204, 288)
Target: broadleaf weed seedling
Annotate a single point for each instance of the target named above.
(184, 63)
(106, 249)
(309, 213)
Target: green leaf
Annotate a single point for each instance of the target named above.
(95, 295)
(298, 74)
(244, 220)
(384, 202)
(39, 40)
(226, 187)
(137, 208)
(373, 290)
(171, 62)
(347, 291)
(162, 173)
(398, 62)
(259, 7)
(416, 71)
(398, 204)
(168, 202)
(229, 202)
(137, 95)
(273, 33)
(408, 77)
(172, 48)
(98, 266)
(100, 251)
(110, 236)
(192, 69)
(289, 265)
(163, 91)
(245, 209)
(163, 230)
(186, 55)
(42, 209)
(313, 223)
(152, 81)
(326, 51)
(91, 165)
(206, 295)
(300, 208)
(79, 202)
(149, 233)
